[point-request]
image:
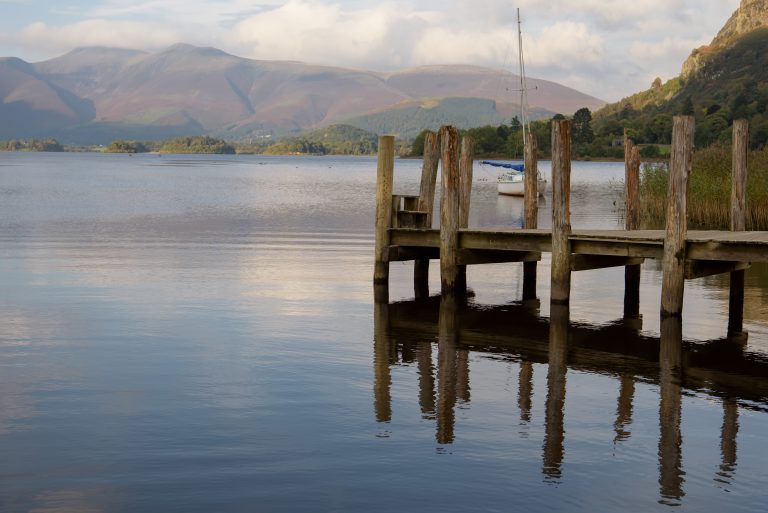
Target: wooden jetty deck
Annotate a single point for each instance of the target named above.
(404, 225)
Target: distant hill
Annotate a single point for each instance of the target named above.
(96, 95)
(334, 140)
(720, 82)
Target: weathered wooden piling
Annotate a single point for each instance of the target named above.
(561, 212)
(465, 193)
(631, 222)
(426, 204)
(449, 210)
(673, 265)
(531, 210)
(384, 182)
(738, 221)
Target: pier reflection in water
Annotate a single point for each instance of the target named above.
(407, 333)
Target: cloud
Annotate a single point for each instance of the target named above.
(568, 41)
(320, 32)
(121, 34)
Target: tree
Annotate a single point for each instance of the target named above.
(687, 109)
(582, 127)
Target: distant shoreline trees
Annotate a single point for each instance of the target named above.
(31, 145)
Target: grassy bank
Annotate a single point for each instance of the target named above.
(709, 197)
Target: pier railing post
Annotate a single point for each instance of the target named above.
(449, 210)
(531, 210)
(631, 222)
(426, 204)
(465, 194)
(673, 278)
(384, 181)
(561, 212)
(738, 221)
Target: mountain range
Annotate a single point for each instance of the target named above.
(95, 95)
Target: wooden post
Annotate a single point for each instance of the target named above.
(465, 194)
(449, 210)
(673, 278)
(561, 212)
(384, 181)
(426, 204)
(531, 211)
(738, 221)
(632, 222)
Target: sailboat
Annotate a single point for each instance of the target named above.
(511, 181)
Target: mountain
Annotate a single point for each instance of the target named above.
(100, 94)
(719, 82)
(751, 15)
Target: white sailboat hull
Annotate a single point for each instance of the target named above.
(515, 185)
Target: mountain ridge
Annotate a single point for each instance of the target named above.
(95, 92)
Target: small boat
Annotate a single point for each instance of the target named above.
(511, 181)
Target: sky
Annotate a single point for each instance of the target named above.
(606, 48)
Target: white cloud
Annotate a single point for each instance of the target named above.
(122, 34)
(609, 47)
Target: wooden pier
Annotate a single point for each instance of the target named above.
(404, 226)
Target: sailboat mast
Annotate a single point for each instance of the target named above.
(523, 117)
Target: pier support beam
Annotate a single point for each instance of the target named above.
(738, 222)
(673, 278)
(631, 222)
(561, 212)
(384, 181)
(449, 211)
(465, 193)
(426, 204)
(531, 211)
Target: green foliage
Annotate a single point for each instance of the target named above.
(335, 139)
(650, 151)
(31, 145)
(732, 84)
(709, 196)
(463, 113)
(582, 127)
(121, 146)
(197, 144)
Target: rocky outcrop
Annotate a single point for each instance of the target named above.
(751, 15)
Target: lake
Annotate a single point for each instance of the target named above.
(199, 334)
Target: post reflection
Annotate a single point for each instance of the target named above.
(624, 408)
(426, 380)
(382, 356)
(728, 434)
(554, 428)
(525, 391)
(435, 336)
(447, 369)
(670, 412)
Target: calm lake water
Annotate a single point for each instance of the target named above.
(199, 334)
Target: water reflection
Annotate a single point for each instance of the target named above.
(670, 412)
(720, 369)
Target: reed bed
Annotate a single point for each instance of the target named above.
(709, 196)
